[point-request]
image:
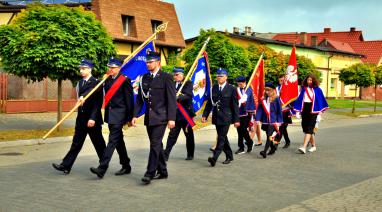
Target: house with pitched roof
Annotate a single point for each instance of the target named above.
(129, 22)
(350, 41)
(327, 60)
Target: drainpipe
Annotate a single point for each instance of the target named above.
(327, 76)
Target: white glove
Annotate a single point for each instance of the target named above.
(244, 97)
(241, 101)
(298, 115)
(318, 119)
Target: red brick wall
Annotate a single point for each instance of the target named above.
(369, 93)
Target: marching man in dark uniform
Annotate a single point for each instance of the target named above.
(118, 112)
(185, 99)
(246, 111)
(89, 118)
(157, 90)
(225, 111)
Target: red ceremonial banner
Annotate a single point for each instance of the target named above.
(289, 88)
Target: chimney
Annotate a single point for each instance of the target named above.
(352, 29)
(313, 40)
(248, 31)
(236, 30)
(303, 38)
(327, 30)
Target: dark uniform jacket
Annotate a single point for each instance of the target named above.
(120, 108)
(185, 99)
(226, 111)
(91, 109)
(161, 99)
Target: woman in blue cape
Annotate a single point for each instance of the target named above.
(311, 103)
(269, 114)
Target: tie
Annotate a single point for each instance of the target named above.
(178, 86)
(83, 83)
(220, 88)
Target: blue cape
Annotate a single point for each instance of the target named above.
(319, 102)
(275, 116)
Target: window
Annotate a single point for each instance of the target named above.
(128, 24)
(154, 25)
(333, 83)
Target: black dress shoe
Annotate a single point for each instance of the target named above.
(227, 161)
(240, 151)
(286, 146)
(160, 176)
(60, 167)
(262, 153)
(249, 147)
(166, 157)
(124, 170)
(146, 180)
(212, 161)
(271, 152)
(259, 144)
(212, 150)
(189, 158)
(99, 172)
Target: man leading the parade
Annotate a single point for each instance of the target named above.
(89, 118)
(158, 92)
(225, 111)
(185, 99)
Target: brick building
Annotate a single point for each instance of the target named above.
(129, 22)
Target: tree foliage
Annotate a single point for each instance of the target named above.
(221, 54)
(378, 75)
(50, 41)
(360, 74)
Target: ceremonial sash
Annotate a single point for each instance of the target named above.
(110, 93)
(267, 110)
(307, 93)
(189, 120)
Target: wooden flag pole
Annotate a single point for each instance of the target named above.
(160, 28)
(192, 69)
(254, 71)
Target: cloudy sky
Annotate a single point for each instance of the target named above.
(281, 15)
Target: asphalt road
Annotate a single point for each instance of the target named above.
(343, 175)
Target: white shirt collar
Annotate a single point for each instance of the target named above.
(155, 72)
(222, 86)
(87, 79)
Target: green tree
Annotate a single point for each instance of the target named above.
(305, 67)
(221, 53)
(378, 81)
(173, 60)
(276, 63)
(50, 41)
(360, 75)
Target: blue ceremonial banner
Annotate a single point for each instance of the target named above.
(201, 80)
(135, 68)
